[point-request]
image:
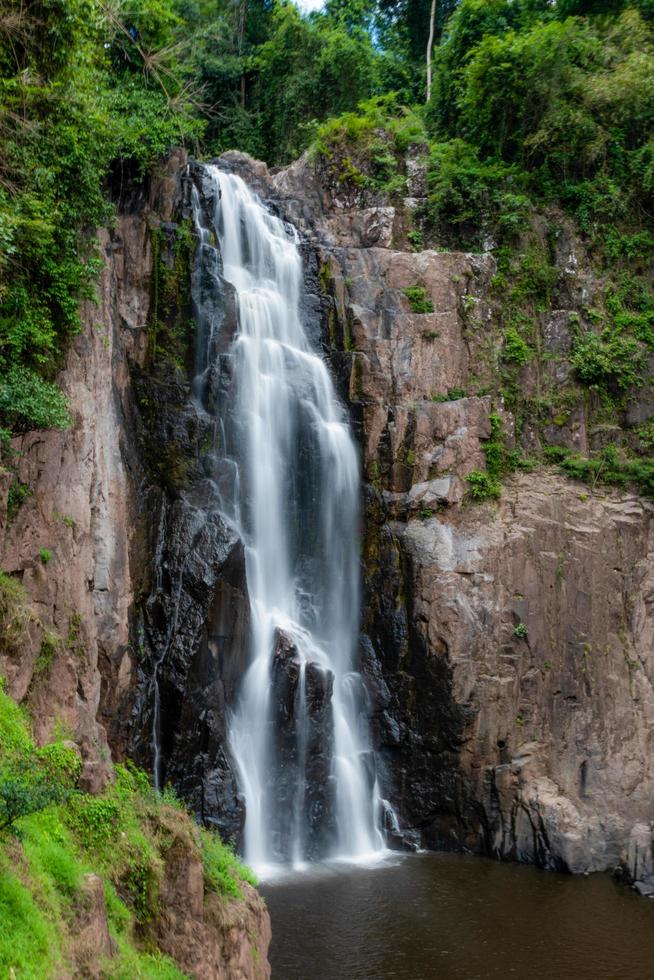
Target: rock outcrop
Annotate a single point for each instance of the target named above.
(508, 647)
(103, 543)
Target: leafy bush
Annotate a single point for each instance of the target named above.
(363, 148)
(25, 788)
(27, 401)
(608, 360)
(18, 494)
(516, 350)
(482, 486)
(60, 763)
(453, 395)
(417, 298)
(470, 197)
(608, 466)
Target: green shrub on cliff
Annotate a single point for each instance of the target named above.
(607, 360)
(364, 148)
(482, 486)
(470, 198)
(609, 465)
(418, 300)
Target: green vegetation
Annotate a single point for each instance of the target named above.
(418, 301)
(521, 631)
(537, 110)
(15, 615)
(52, 835)
(610, 465)
(92, 94)
(482, 486)
(608, 361)
(365, 149)
(487, 484)
(453, 395)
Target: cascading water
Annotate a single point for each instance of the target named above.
(287, 478)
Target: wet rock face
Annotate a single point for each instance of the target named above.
(194, 624)
(301, 691)
(195, 627)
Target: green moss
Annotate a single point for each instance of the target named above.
(171, 329)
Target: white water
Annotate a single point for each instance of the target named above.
(294, 498)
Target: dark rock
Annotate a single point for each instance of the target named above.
(302, 733)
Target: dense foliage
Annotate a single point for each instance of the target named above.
(536, 105)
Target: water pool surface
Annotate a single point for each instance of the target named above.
(453, 917)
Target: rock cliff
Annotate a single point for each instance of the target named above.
(507, 644)
(98, 538)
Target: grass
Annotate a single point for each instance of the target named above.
(122, 834)
(417, 297)
(29, 940)
(223, 869)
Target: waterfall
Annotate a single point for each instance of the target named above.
(287, 478)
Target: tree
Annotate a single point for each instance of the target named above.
(430, 44)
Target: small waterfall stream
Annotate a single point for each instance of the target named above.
(287, 478)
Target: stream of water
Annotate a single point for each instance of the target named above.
(290, 485)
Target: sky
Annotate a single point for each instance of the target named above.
(306, 5)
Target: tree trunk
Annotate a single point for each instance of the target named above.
(241, 40)
(430, 44)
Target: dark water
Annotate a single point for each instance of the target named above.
(449, 917)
